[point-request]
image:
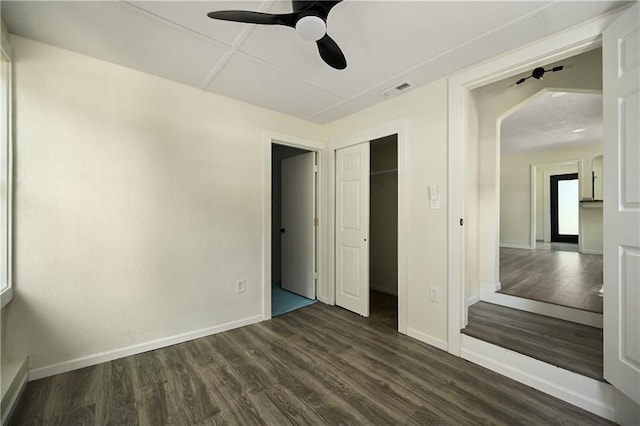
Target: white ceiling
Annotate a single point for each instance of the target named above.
(549, 119)
(385, 43)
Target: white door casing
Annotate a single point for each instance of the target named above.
(621, 114)
(297, 222)
(352, 228)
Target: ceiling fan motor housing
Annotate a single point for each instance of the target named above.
(311, 27)
(538, 73)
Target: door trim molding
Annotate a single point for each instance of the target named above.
(397, 127)
(554, 201)
(568, 43)
(268, 139)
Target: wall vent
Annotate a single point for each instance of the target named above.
(392, 91)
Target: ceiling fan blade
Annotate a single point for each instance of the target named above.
(331, 53)
(326, 5)
(249, 17)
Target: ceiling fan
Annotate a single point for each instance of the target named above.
(539, 72)
(309, 19)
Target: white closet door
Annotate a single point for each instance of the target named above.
(352, 228)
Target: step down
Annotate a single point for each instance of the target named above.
(571, 346)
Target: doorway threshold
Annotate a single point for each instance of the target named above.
(589, 394)
(579, 316)
(283, 301)
(560, 358)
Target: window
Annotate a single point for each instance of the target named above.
(5, 172)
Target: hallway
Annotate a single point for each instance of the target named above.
(551, 276)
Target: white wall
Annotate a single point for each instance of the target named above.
(591, 228)
(515, 186)
(582, 72)
(425, 109)
(138, 204)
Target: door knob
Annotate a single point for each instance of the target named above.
(282, 230)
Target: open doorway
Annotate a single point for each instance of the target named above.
(294, 237)
(383, 231)
(620, 309)
(348, 219)
(555, 254)
(367, 232)
(565, 202)
(544, 137)
(524, 135)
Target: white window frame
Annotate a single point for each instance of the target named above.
(6, 168)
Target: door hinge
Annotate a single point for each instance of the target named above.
(315, 275)
(316, 221)
(461, 221)
(315, 169)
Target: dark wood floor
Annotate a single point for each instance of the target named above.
(574, 347)
(316, 365)
(558, 277)
(383, 309)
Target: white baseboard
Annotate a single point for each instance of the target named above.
(489, 288)
(14, 392)
(586, 393)
(425, 338)
(517, 246)
(324, 300)
(587, 251)
(98, 358)
(591, 319)
(383, 289)
(472, 300)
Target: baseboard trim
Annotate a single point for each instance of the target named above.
(98, 358)
(517, 246)
(382, 289)
(425, 338)
(487, 288)
(14, 392)
(586, 251)
(324, 300)
(591, 319)
(472, 300)
(589, 394)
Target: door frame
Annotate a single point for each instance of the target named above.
(535, 167)
(554, 180)
(268, 139)
(554, 48)
(581, 38)
(396, 127)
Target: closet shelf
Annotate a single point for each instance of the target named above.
(381, 172)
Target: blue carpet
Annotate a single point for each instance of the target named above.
(283, 301)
